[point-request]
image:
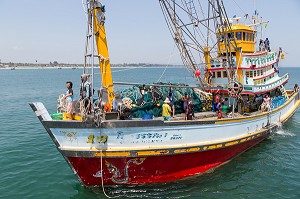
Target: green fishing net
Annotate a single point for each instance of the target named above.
(149, 99)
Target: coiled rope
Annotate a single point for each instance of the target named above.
(127, 102)
(61, 105)
(84, 110)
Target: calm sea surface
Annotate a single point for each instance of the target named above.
(31, 167)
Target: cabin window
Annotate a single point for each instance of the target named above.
(238, 36)
(233, 61)
(254, 73)
(248, 36)
(225, 74)
(231, 36)
(244, 36)
(261, 72)
(251, 74)
(214, 75)
(219, 74)
(247, 74)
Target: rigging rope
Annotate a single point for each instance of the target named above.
(83, 5)
(138, 67)
(101, 168)
(242, 10)
(167, 65)
(185, 52)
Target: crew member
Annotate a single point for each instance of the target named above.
(85, 91)
(166, 110)
(69, 99)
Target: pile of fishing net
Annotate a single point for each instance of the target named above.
(149, 99)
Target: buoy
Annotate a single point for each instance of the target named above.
(197, 73)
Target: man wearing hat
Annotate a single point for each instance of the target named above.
(84, 87)
(85, 91)
(166, 110)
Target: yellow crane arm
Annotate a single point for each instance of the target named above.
(102, 48)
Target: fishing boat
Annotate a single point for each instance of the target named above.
(104, 147)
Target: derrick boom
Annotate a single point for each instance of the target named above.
(98, 20)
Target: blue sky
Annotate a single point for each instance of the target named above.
(55, 30)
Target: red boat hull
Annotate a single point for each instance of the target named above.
(154, 169)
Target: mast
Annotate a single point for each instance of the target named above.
(97, 35)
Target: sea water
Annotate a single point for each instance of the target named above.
(31, 166)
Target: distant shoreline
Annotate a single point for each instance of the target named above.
(77, 66)
(18, 67)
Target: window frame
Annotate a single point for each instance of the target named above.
(239, 36)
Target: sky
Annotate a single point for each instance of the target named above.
(55, 30)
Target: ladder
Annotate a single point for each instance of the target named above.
(192, 11)
(283, 92)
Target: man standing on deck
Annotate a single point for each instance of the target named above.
(85, 91)
(267, 45)
(69, 99)
(166, 110)
(185, 100)
(171, 99)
